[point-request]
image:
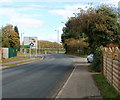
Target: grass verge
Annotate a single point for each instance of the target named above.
(107, 91)
(90, 68)
(13, 59)
(22, 62)
(83, 56)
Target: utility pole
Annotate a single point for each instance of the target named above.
(38, 47)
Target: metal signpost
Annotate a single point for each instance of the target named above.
(31, 43)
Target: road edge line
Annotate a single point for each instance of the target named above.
(61, 90)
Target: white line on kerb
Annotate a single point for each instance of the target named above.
(60, 92)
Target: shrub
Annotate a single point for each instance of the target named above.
(97, 62)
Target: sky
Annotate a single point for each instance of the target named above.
(43, 18)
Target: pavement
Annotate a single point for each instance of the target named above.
(80, 83)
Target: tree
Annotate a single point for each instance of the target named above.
(72, 29)
(75, 46)
(99, 25)
(17, 31)
(10, 38)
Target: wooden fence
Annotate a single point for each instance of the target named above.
(111, 66)
(0, 53)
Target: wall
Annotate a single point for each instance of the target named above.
(5, 53)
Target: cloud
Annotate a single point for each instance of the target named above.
(6, 11)
(6, 1)
(60, 28)
(26, 22)
(22, 20)
(61, 12)
(50, 37)
(69, 10)
(57, 0)
(111, 2)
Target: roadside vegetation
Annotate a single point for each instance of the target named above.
(90, 68)
(45, 46)
(23, 62)
(83, 56)
(21, 57)
(49, 44)
(13, 59)
(107, 90)
(90, 31)
(41, 51)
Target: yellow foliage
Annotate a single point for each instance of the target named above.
(48, 44)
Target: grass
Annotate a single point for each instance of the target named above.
(41, 51)
(90, 68)
(13, 59)
(83, 56)
(32, 60)
(107, 91)
(20, 53)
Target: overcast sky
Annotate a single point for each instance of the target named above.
(42, 17)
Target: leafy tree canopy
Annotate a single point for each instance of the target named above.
(99, 25)
(10, 37)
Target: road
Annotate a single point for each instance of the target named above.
(41, 79)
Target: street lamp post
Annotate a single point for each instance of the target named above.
(21, 37)
(58, 39)
(21, 42)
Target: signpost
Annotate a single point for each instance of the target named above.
(31, 43)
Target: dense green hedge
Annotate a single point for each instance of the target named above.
(97, 62)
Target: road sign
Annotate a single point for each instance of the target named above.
(26, 46)
(31, 41)
(31, 44)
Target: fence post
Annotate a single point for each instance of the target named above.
(112, 63)
(106, 64)
(102, 61)
(119, 69)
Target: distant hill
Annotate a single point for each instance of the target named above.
(48, 44)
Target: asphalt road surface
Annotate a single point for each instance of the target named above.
(41, 79)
